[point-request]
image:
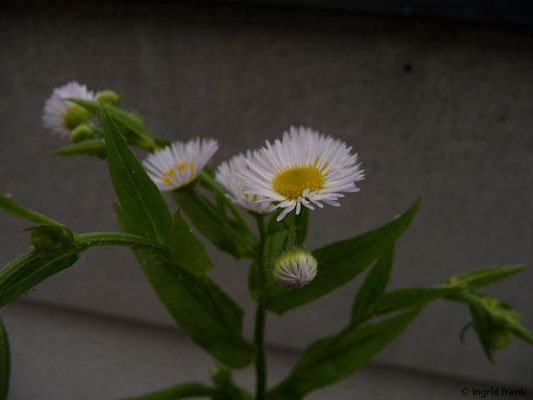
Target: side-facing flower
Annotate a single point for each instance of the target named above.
(303, 168)
(61, 116)
(180, 163)
(229, 176)
(295, 268)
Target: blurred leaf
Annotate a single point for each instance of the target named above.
(486, 275)
(132, 124)
(183, 391)
(227, 390)
(19, 211)
(340, 262)
(373, 286)
(225, 234)
(331, 359)
(139, 197)
(92, 147)
(188, 252)
(209, 316)
(5, 362)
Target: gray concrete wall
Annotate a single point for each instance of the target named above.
(454, 127)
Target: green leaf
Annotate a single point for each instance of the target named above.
(410, 297)
(92, 147)
(331, 359)
(5, 362)
(183, 391)
(209, 316)
(227, 235)
(486, 275)
(25, 272)
(188, 252)
(139, 197)
(132, 124)
(373, 286)
(19, 211)
(340, 262)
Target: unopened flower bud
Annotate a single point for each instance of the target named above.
(80, 133)
(75, 115)
(108, 96)
(295, 268)
(51, 237)
(499, 339)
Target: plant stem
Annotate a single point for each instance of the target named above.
(259, 333)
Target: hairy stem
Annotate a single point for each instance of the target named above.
(259, 333)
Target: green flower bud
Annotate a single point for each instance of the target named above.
(75, 115)
(81, 133)
(221, 377)
(295, 268)
(108, 96)
(51, 237)
(500, 338)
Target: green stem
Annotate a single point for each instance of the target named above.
(259, 332)
(85, 240)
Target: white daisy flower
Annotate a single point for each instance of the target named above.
(303, 168)
(61, 116)
(228, 175)
(295, 268)
(180, 163)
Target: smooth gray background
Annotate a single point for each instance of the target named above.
(437, 109)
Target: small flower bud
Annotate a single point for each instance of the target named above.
(80, 133)
(295, 268)
(499, 339)
(221, 376)
(75, 115)
(108, 96)
(50, 237)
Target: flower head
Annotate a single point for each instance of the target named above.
(303, 168)
(229, 176)
(295, 268)
(180, 163)
(61, 116)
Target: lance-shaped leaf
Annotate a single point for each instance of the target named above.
(209, 316)
(486, 275)
(188, 252)
(334, 358)
(183, 391)
(19, 211)
(92, 147)
(340, 262)
(410, 297)
(5, 362)
(373, 286)
(139, 197)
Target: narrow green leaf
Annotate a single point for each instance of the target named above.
(183, 391)
(340, 262)
(486, 275)
(228, 236)
(373, 286)
(188, 252)
(25, 272)
(139, 197)
(92, 147)
(5, 362)
(331, 359)
(19, 211)
(410, 297)
(209, 316)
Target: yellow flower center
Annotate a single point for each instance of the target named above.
(292, 181)
(180, 167)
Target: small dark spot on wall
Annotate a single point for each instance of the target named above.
(502, 118)
(407, 68)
